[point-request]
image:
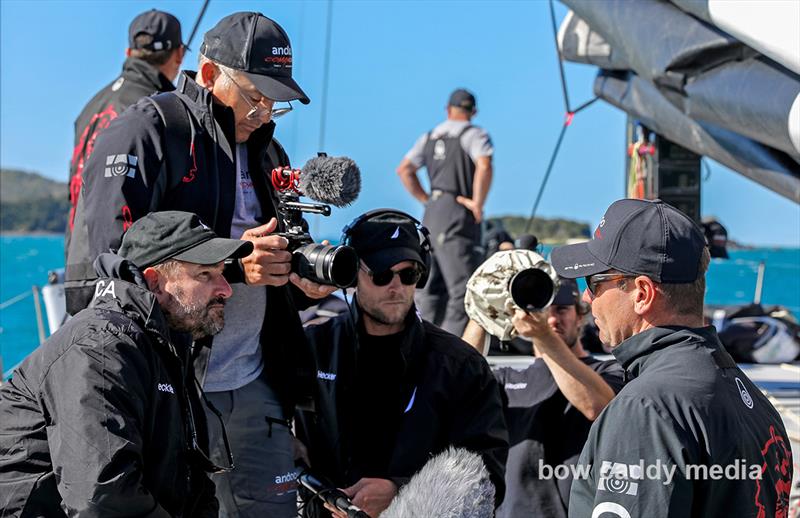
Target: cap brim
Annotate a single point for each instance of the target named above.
(382, 260)
(573, 261)
(278, 88)
(216, 250)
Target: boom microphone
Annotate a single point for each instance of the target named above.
(334, 180)
(454, 484)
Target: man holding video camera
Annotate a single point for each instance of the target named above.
(550, 404)
(392, 389)
(208, 148)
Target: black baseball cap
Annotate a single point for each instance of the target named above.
(260, 48)
(173, 234)
(641, 237)
(568, 293)
(385, 240)
(462, 99)
(163, 27)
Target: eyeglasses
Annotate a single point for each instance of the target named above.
(196, 453)
(595, 280)
(408, 276)
(255, 112)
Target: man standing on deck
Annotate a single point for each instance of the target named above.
(154, 56)
(458, 157)
(689, 435)
(208, 148)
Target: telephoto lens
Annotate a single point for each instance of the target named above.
(532, 289)
(326, 264)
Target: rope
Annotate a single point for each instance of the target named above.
(14, 300)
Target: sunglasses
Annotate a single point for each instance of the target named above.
(596, 280)
(408, 276)
(255, 112)
(196, 454)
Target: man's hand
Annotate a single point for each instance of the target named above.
(473, 206)
(371, 495)
(312, 289)
(532, 325)
(270, 263)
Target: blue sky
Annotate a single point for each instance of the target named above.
(393, 65)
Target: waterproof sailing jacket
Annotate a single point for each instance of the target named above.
(448, 395)
(689, 436)
(140, 165)
(96, 421)
(138, 79)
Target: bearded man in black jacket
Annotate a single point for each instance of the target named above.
(104, 418)
(392, 389)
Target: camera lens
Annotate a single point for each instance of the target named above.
(326, 264)
(532, 289)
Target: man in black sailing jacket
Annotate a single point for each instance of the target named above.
(689, 435)
(393, 389)
(154, 56)
(208, 148)
(103, 419)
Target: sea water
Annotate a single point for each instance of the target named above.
(25, 261)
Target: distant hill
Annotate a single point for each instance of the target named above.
(29, 202)
(547, 230)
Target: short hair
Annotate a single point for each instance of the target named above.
(168, 268)
(687, 298)
(152, 57)
(228, 71)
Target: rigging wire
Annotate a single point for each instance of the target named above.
(197, 23)
(569, 115)
(325, 77)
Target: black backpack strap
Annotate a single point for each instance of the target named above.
(179, 135)
(467, 128)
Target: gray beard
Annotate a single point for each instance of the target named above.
(194, 319)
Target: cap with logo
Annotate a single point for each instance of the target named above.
(163, 27)
(385, 240)
(173, 234)
(641, 237)
(260, 48)
(462, 99)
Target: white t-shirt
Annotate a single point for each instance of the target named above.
(475, 141)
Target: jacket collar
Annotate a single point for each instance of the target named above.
(642, 350)
(138, 69)
(121, 288)
(413, 339)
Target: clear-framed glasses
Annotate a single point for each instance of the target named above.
(596, 280)
(256, 112)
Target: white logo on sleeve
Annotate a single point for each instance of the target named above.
(328, 376)
(610, 508)
(105, 288)
(620, 478)
(121, 165)
(166, 387)
(748, 401)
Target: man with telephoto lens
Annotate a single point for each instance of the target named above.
(208, 148)
(393, 389)
(689, 435)
(104, 419)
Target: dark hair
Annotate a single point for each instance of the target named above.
(687, 298)
(152, 57)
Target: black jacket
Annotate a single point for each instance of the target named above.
(138, 79)
(687, 407)
(96, 420)
(109, 203)
(448, 396)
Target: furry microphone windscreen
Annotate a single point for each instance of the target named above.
(454, 484)
(334, 180)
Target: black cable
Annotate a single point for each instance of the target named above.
(197, 23)
(585, 105)
(560, 61)
(547, 174)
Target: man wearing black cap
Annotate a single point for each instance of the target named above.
(207, 148)
(458, 157)
(394, 389)
(154, 56)
(690, 434)
(102, 419)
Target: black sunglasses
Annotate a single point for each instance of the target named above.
(196, 454)
(408, 276)
(595, 280)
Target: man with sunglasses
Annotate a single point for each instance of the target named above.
(208, 148)
(394, 389)
(104, 418)
(690, 434)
